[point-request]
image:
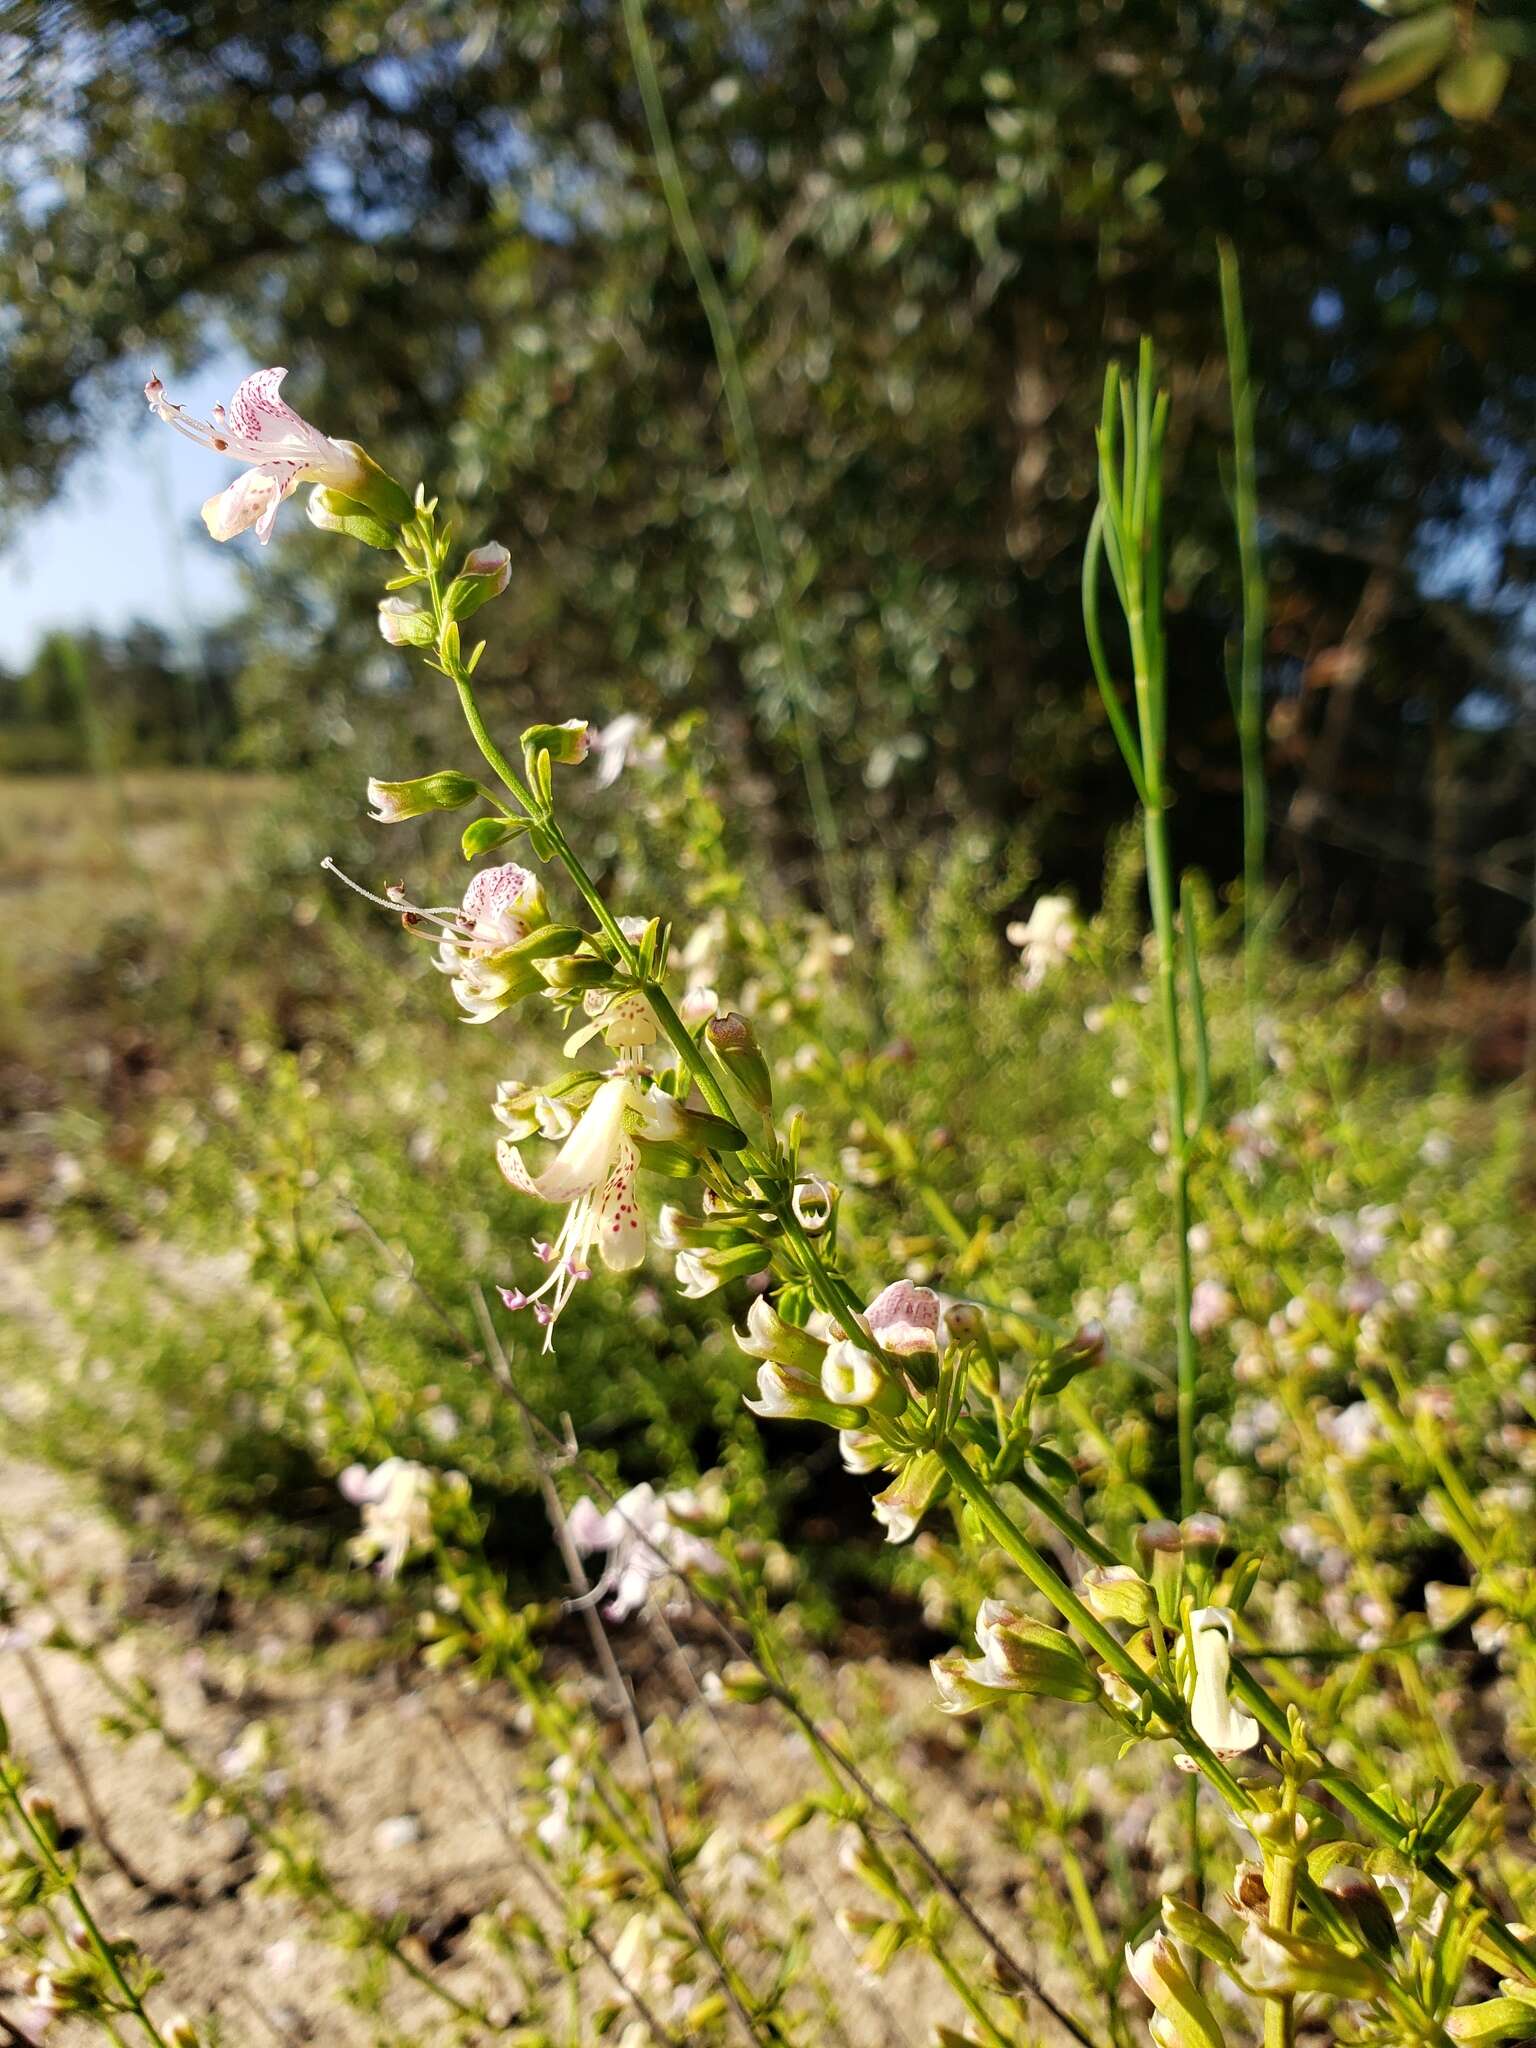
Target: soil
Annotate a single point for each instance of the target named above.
(412, 1780)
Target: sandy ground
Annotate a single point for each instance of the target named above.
(411, 1778)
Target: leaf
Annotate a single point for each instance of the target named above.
(1398, 60)
(1471, 88)
(1053, 1466)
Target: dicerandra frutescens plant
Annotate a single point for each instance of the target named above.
(1346, 1902)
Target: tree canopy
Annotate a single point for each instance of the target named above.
(934, 221)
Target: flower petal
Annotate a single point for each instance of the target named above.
(251, 500)
(620, 1226)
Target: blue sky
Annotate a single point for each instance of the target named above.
(123, 541)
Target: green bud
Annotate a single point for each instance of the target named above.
(566, 745)
(1494, 2019)
(334, 512)
(789, 1820)
(404, 624)
(1281, 1965)
(393, 802)
(1364, 1907)
(484, 835)
(734, 1043)
(1117, 1592)
(1197, 1930)
(376, 490)
(485, 575)
(579, 971)
(744, 1683)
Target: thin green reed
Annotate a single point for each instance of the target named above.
(750, 462)
(1127, 534)
(1247, 681)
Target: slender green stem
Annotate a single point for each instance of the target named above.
(1249, 693)
(749, 458)
(44, 1851)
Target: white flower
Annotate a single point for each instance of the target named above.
(502, 906)
(594, 1174)
(1046, 939)
(625, 1020)
(396, 1500)
(622, 740)
(1225, 1727)
(260, 428)
(904, 1319)
(1211, 1307)
(644, 1542)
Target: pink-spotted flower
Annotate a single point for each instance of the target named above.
(502, 906)
(285, 450)
(593, 1174)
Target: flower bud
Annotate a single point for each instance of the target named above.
(1117, 1592)
(404, 624)
(769, 1336)
(904, 1319)
(394, 802)
(566, 745)
(735, 1045)
(855, 1376)
(785, 1394)
(1022, 1655)
(1281, 1965)
(1159, 1972)
(334, 512)
(963, 1322)
(743, 1683)
(1197, 1930)
(1363, 1906)
(1080, 1354)
(909, 1496)
(485, 574)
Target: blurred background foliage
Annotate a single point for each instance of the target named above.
(934, 219)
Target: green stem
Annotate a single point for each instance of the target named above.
(749, 458)
(1250, 702)
(106, 1954)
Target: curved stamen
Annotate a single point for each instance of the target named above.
(445, 915)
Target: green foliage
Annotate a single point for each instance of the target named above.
(928, 221)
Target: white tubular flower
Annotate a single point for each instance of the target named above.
(260, 428)
(1159, 1973)
(594, 1175)
(813, 1201)
(645, 1545)
(851, 1376)
(861, 1450)
(1227, 1729)
(396, 1500)
(1045, 939)
(501, 907)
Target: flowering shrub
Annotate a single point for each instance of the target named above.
(1173, 1451)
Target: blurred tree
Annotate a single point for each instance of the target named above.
(934, 218)
(91, 701)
